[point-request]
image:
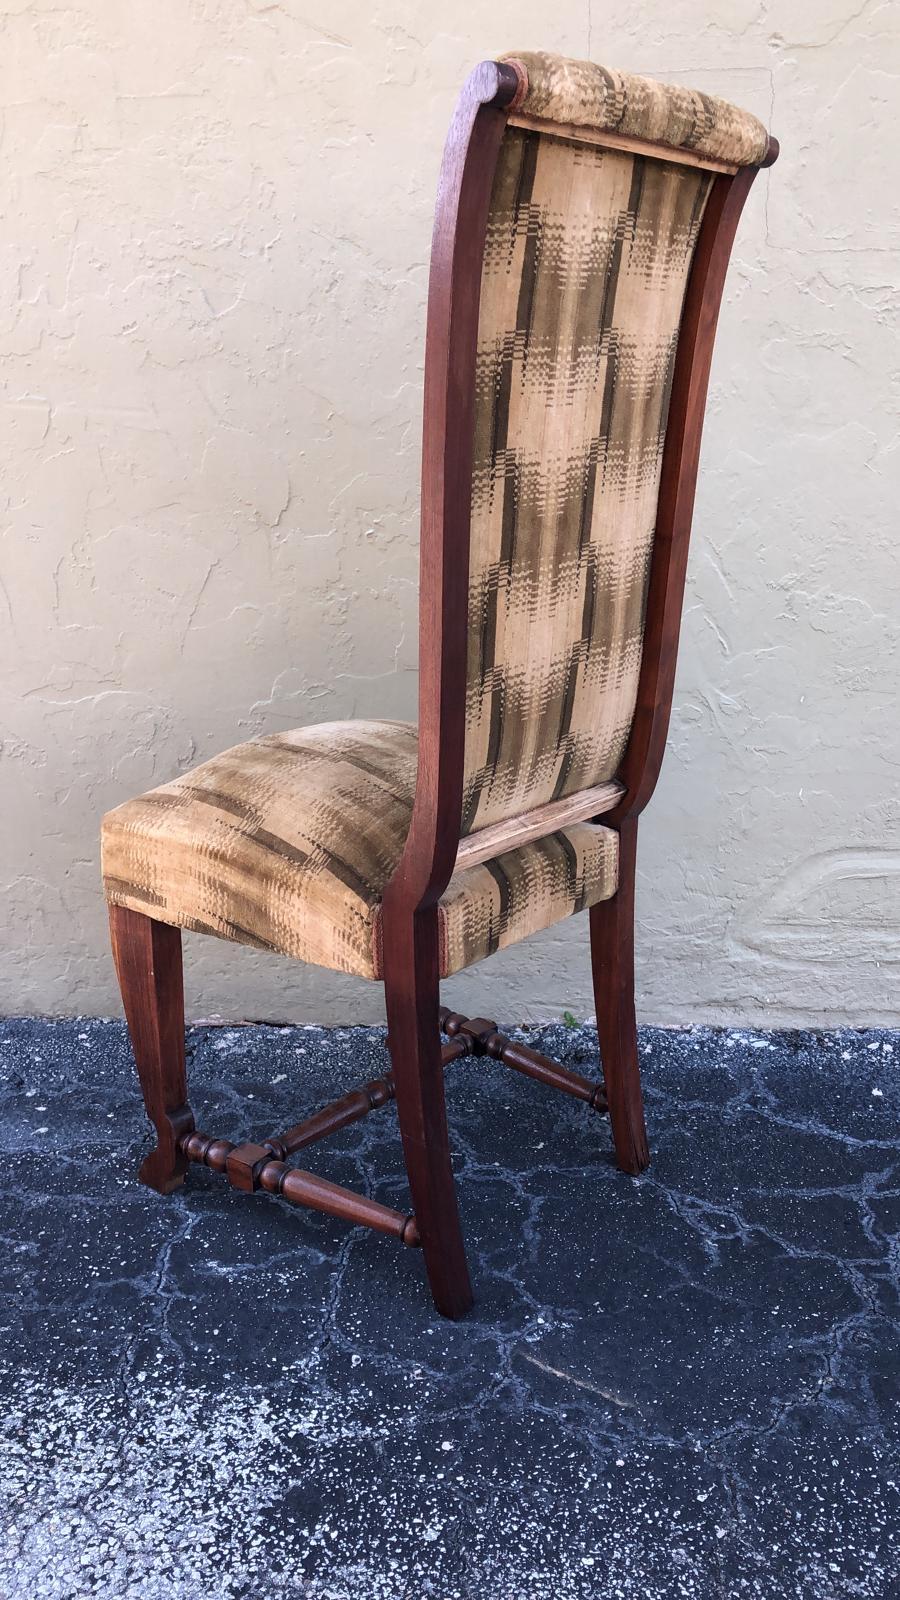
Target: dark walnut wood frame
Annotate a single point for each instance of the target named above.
(148, 953)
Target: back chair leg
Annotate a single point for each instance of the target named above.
(612, 965)
(147, 955)
(412, 997)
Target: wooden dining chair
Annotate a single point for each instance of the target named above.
(584, 223)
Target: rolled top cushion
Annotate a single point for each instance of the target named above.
(590, 96)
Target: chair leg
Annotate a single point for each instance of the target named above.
(612, 965)
(411, 994)
(147, 955)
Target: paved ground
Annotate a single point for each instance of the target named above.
(683, 1386)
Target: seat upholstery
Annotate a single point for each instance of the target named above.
(286, 843)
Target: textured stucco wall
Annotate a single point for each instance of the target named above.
(216, 226)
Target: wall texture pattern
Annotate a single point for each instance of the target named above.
(214, 259)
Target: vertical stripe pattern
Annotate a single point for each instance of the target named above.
(525, 890)
(586, 263)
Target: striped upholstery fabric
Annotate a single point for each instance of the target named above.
(586, 263)
(286, 843)
(586, 95)
(493, 905)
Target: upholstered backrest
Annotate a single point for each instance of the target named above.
(586, 262)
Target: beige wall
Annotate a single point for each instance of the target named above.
(214, 266)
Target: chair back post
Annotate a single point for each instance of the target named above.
(454, 288)
(677, 488)
(468, 168)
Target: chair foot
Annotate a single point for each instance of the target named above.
(411, 993)
(612, 964)
(147, 955)
(158, 1174)
(162, 1171)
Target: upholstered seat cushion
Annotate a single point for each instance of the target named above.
(286, 843)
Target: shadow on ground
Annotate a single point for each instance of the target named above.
(678, 1386)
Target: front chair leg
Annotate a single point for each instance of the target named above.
(612, 966)
(147, 955)
(411, 995)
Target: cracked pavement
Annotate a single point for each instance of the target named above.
(679, 1386)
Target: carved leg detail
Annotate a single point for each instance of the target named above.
(411, 993)
(147, 955)
(612, 963)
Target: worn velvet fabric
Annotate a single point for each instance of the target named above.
(587, 259)
(286, 843)
(586, 95)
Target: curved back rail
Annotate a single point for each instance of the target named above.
(489, 96)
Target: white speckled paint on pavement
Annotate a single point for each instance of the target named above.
(677, 1388)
